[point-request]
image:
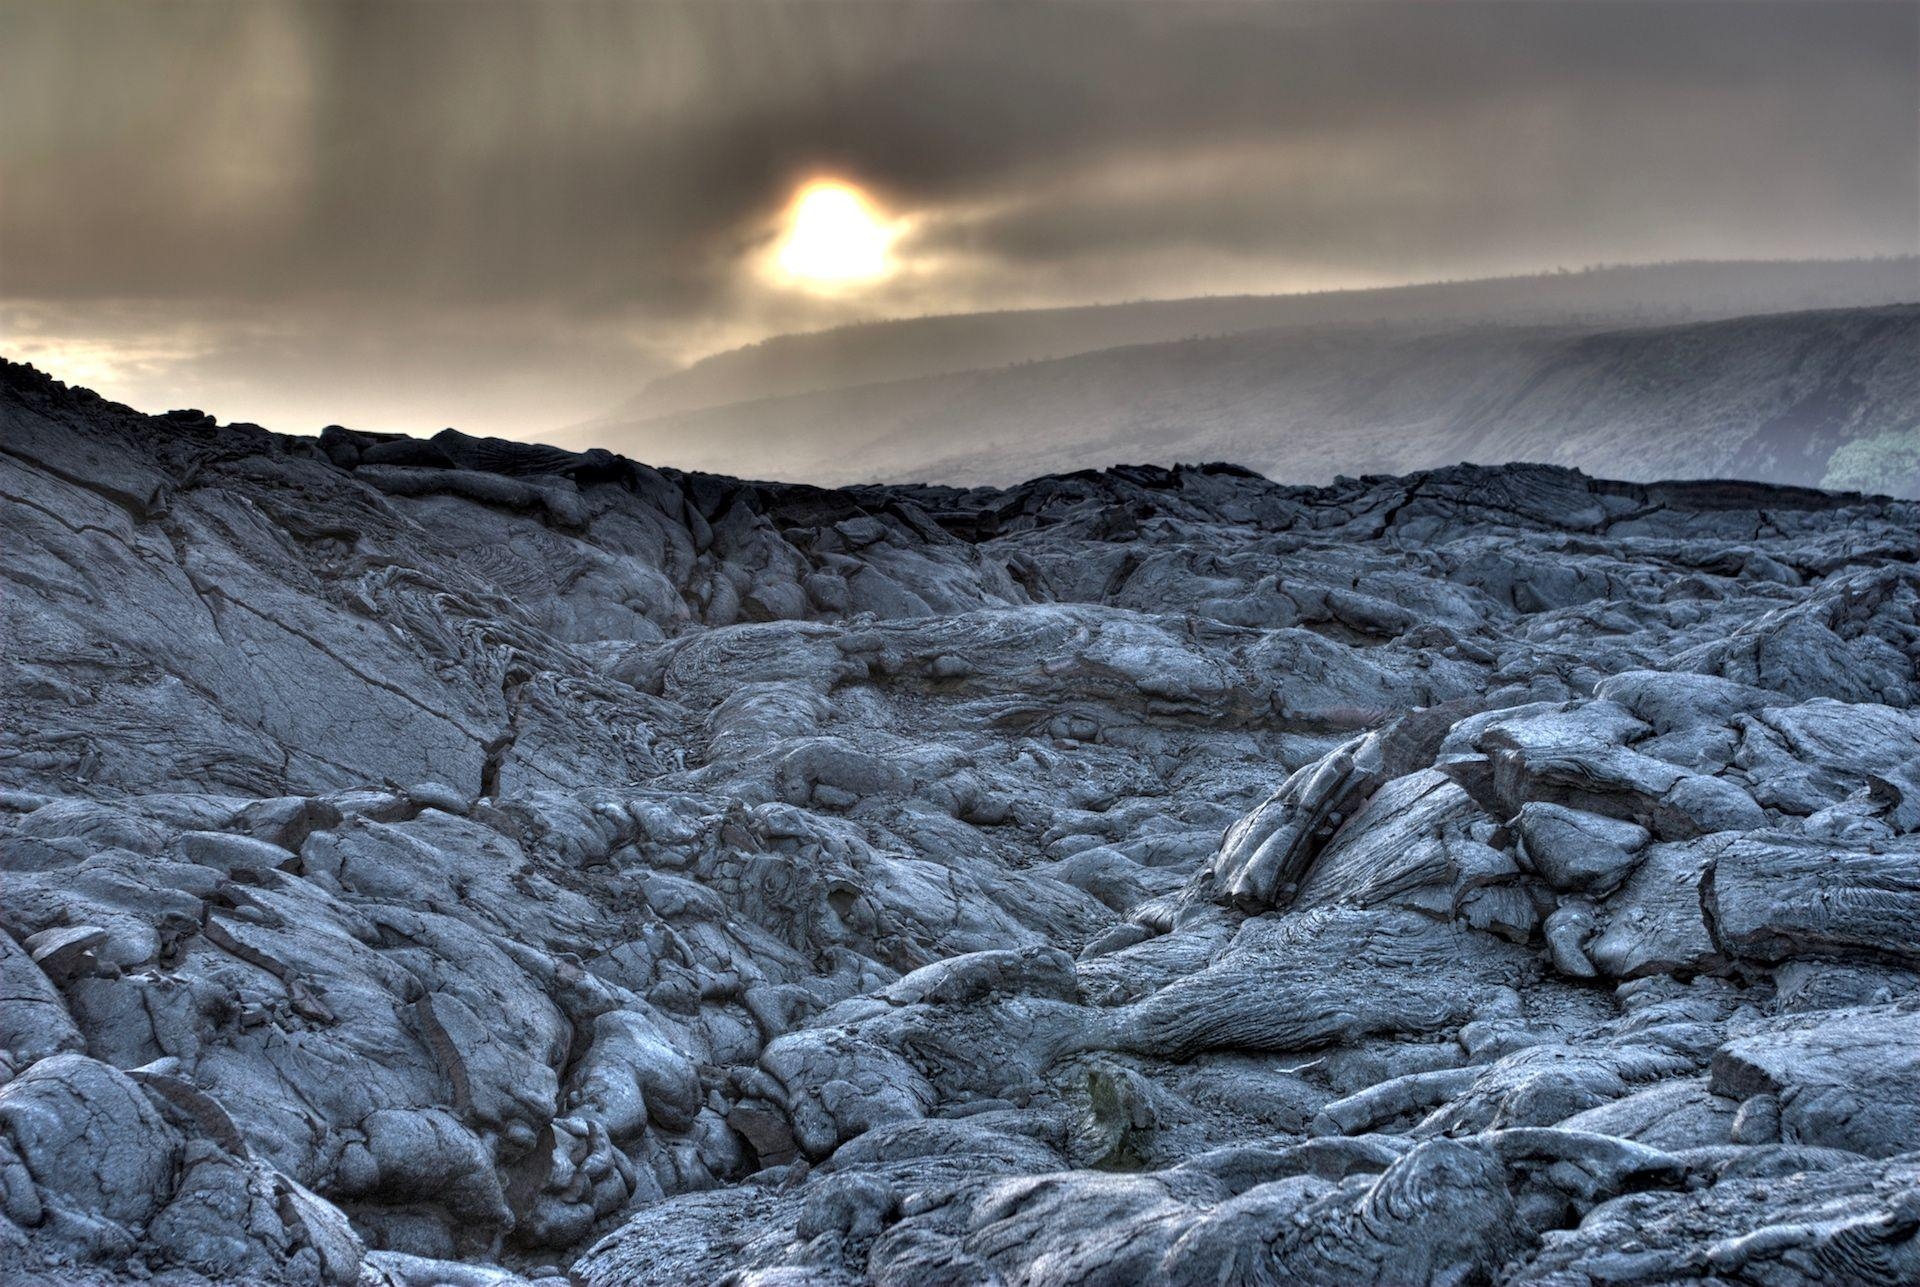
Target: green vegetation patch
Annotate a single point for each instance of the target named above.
(1888, 461)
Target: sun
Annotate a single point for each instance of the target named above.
(835, 237)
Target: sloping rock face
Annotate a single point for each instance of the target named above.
(464, 862)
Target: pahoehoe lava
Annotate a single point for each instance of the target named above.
(457, 861)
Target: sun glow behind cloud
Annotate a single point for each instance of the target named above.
(835, 238)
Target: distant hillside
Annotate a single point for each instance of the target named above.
(908, 348)
(1785, 397)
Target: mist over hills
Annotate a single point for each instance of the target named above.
(905, 348)
(1829, 397)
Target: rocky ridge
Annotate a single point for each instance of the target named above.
(465, 862)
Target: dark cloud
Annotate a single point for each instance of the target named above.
(600, 170)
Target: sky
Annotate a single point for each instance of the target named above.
(508, 216)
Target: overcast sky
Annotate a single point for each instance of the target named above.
(507, 215)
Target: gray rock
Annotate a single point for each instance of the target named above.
(424, 859)
(1656, 924)
(1849, 1080)
(1778, 898)
(91, 1143)
(1578, 852)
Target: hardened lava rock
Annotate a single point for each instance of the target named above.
(467, 862)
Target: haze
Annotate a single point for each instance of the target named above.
(509, 216)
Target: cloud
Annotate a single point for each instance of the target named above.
(603, 174)
(298, 367)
